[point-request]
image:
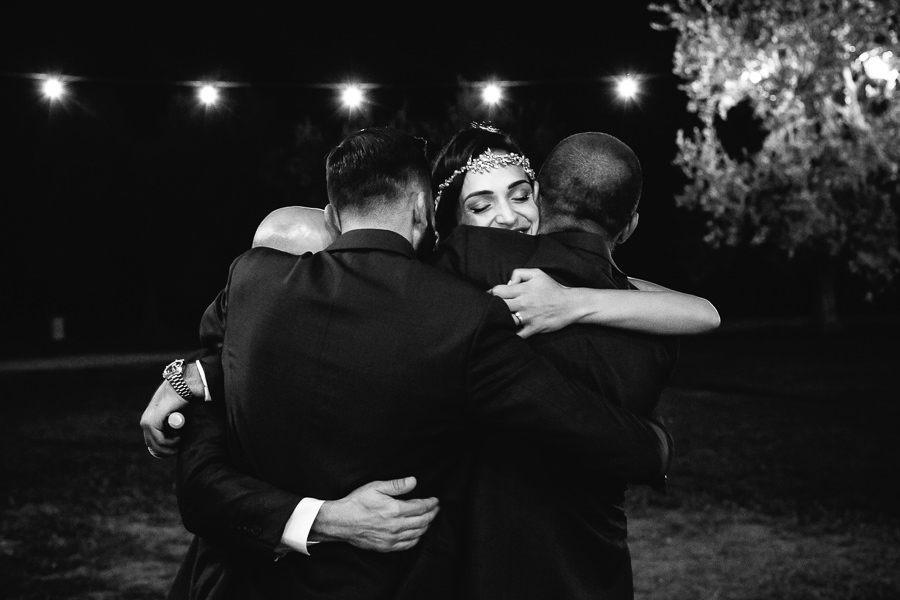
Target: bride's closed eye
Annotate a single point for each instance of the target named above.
(479, 207)
(522, 192)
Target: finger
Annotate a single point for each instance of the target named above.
(418, 521)
(409, 535)
(399, 547)
(511, 299)
(502, 291)
(522, 275)
(515, 304)
(416, 506)
(163, 451)
(157, 439)
(395, 487)
(507, 292)
(169, 443)
(163, 445)
(530, 330)
(159, 452)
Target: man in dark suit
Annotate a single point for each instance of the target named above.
(523, 503)
(360, 363)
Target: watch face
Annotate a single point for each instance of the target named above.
(173, 367)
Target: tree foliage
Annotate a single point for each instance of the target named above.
(798, 123)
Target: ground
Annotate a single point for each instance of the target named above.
(785, 444)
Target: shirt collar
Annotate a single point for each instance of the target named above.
(373, 239)
(589, 242)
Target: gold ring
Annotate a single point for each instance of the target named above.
(518, 317)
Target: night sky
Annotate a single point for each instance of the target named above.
(126, 204)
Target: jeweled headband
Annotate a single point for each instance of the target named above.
(487, 161)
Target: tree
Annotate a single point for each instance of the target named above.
(797, 125)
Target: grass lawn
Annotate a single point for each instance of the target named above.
(782, 486)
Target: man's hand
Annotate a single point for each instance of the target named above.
(164, 401)
(543, 304)
(371, 518)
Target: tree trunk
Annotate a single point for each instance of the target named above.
(826, 314)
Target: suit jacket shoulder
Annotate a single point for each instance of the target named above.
(484, 256)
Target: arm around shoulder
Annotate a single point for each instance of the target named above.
(545, 305)
(217, 500)
(683, 313)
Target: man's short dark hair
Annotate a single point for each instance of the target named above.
(590, 178)
(372, 168)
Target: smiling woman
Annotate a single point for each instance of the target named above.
(481, 177)
(503, 198)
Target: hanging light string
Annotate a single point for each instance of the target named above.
(56, 86)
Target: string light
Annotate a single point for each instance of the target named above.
(627, 87)
(352, 96)
(492, 94)
(208, 94)
(53, 88)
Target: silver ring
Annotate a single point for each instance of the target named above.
(153, 453)
(518, 317)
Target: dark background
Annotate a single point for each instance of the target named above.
(124, 205)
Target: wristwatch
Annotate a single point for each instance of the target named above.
(174, 373)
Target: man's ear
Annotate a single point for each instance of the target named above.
(536, 227)
(422, 209)
(332, 221)
(629, 229)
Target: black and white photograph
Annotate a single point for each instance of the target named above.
(450, 302)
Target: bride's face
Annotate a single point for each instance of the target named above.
(502, 197)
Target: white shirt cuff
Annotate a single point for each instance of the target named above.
(297, 529)
(206, 395)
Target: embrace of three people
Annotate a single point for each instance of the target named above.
(441, 386)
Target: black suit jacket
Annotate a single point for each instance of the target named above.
(361, 363)
(540, 527)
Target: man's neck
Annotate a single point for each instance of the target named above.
(557, 226)
(354, 224)
(580, 227)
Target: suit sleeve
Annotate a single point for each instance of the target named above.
(216, 499)
(515, 390)
(212, 334)
(483, 256)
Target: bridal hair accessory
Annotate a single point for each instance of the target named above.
(485, 126)
(488, 161)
